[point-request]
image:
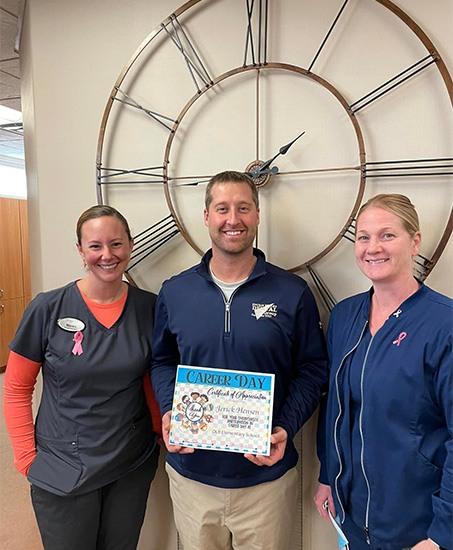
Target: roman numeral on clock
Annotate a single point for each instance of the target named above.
(256, 33)
(180, 38)
(151, 239)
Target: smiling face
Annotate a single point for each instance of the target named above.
(105, 248)
(232, 218)
(383, 247)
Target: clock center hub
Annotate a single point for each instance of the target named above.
(253, 168)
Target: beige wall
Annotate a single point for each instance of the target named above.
(71, 54)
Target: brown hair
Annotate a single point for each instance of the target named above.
(396, 204)
(97, 212)
(230, 176)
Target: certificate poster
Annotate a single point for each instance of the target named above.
(222, 410)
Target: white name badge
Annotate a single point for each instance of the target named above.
(71, 324)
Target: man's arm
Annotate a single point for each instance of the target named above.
(165, 357)
(310, 367)
(163, 371)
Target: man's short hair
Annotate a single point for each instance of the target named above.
(230, 176)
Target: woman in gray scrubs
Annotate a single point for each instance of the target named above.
(92, 453)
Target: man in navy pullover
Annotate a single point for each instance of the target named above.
(236, 311)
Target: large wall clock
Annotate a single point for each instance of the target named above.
(324, 102)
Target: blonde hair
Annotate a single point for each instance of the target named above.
(396, 204)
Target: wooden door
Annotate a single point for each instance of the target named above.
(14, 269)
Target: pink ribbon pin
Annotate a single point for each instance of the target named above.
(401, 337)
(77, 349)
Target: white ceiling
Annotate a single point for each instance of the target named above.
(11, 140)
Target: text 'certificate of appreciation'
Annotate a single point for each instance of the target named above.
(222, 410)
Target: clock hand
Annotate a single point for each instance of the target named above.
(273, 170)
(318, 170)
(177, 181)
(282, 151)
(260, 172)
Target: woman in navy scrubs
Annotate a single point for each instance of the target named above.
(92, 453)
(385, 442)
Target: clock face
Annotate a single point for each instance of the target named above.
(324, 103)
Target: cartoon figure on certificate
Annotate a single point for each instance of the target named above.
(192, 412)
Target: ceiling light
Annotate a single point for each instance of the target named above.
(9, 116)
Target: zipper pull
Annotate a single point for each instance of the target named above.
(367, 535)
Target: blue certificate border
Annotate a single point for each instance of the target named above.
(225, 378)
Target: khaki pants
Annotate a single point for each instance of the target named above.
(253, 518)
